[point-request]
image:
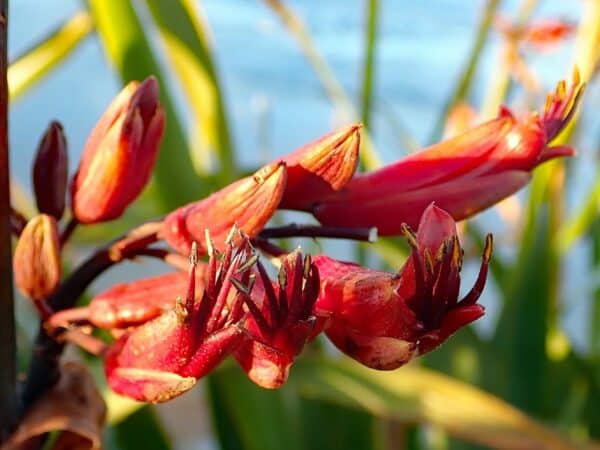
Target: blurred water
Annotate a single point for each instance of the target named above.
(269, 86)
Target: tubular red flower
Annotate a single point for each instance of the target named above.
(164, 357)
(384, 320)
(248, 203)
(280, 320)
(463, 175)
(321, 167)
(50, 171)
(131, 304)
(119, 155)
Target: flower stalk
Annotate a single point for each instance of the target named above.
(8, 399)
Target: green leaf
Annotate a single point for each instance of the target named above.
(252, 418)
(142, 429)
(126, 45)
(520, 337)
(417, 395)
(36, 62)
(188, 49)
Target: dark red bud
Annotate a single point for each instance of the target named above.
(50, 171)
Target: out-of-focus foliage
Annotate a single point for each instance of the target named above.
(523, 387)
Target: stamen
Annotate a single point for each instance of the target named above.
(273, 302)
(248, 264)
(410, 235)
(473, 295)
(231, 235)
(260, 320)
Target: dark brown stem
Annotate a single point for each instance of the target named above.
(318, 231)
(68, 231)
(43, 370)
(268, 247)
(17, 222)
(8, 352)
(175, 260)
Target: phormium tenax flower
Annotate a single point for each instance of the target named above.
(384, 320)
(164, 357)
(119, 155)
(248, 203)
(463, 175)
(280, 320)
(321, 167)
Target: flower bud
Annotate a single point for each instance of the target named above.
(119, 155)
(50, 171)
(248, 203)
(321, 167)
(36, 261)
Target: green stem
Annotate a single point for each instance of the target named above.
(8, 353)
(369, 61)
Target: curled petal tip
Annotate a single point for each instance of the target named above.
(561, 105)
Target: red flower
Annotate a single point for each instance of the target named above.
(248, 203)
(131, 304)
(321, 167)
(164, 357)
(384, 320)
(119, 155)
(463, 175)
(280, 320)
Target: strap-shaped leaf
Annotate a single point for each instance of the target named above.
(187, 46)
(30, 67)
(127, 47)
(417, 395)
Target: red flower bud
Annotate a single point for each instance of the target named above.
(50, 171)
(248, 203)
(164, 357)
(280, 320)
(463, 175)
(384, 320)
(36, 261)
(321, 167)
(119, 155)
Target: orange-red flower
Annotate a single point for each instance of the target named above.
(119, 155)
(164, 357)
(463, 175)
(321, 167)
(384, 320)
(131, 304)
(248, 203)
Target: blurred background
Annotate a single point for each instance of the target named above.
(244, 81)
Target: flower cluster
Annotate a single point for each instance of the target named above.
(171, 330)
